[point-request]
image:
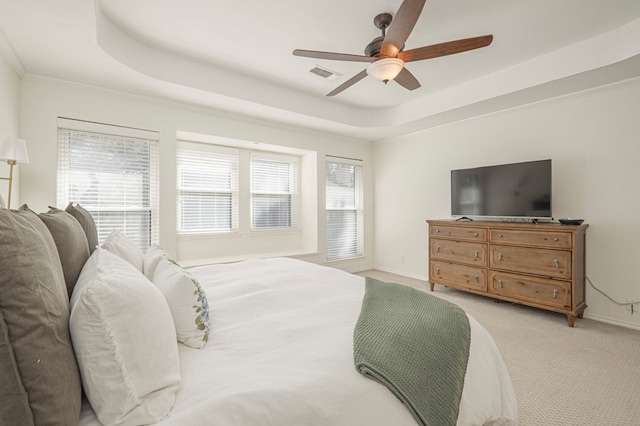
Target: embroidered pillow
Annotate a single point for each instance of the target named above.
(125, 342)
(187, 301)
(119, 244)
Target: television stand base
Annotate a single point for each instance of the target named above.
(464, 218)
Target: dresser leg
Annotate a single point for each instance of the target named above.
(581, 315)
(571, 319)
(431, 285)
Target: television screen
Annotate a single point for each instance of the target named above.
(518, 190)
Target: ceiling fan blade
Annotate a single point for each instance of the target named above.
(401, 26)
(446, 48)
(333, 56)
(407, 80)
(353, 80)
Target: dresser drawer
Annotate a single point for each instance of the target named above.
(458, 233)
(538, 291)
(459, 251)
(549, 239)
(550, 263)
(458, 276)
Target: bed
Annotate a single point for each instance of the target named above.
(281, 354)
(279, 350)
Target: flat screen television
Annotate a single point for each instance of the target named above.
(517, 190)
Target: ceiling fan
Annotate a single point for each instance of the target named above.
(385, 53)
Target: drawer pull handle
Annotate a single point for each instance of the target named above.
(556, 239)
(475, 255)
(499, 235)
(437, 249)
(437, 231)
(555, 262)
(499, 256)
(437, 271)
(475, 235)
(500, 283)
(477, 278)
(555, 293)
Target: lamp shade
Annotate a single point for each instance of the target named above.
(385, 69)
(15, 149)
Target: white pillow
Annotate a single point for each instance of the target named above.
(151, 258)
(120, 244)
(187, 301)
(125, 342)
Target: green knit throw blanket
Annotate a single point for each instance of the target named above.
(415, 344)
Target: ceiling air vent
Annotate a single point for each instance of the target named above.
(325, 73)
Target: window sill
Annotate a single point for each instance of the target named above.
(345, 259)
(239, 257)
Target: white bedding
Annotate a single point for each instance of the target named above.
(280, 353)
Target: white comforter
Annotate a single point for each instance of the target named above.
(280, 353)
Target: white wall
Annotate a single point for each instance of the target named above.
(9, 124)
(43, 100)
(593, 140)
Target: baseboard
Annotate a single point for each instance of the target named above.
(348, 267)
(612, 321)
(404, 274)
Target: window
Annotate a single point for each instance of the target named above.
(207, 188)
(112, 172)
(344, 208)
(227, 189)
(273, 193)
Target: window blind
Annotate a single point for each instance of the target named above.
(344, 209)
(273, 193)
(112, 172)
(207, 178)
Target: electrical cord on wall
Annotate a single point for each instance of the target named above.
(610, 298)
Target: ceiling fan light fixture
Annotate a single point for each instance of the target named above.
(385, 69)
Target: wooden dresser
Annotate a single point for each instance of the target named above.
(540, 265)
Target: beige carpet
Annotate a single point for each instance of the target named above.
(587, 375)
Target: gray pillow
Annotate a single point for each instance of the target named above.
(40, 377)
(71, 243)
(87, 223)
(14, 401)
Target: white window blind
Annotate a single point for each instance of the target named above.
(207, 188)
(112, 172)
(344, 209)
(273, 192)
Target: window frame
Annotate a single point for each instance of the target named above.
(245, 195)
(224, 154)
(293, 193)
(358, 245)
(133, 141)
